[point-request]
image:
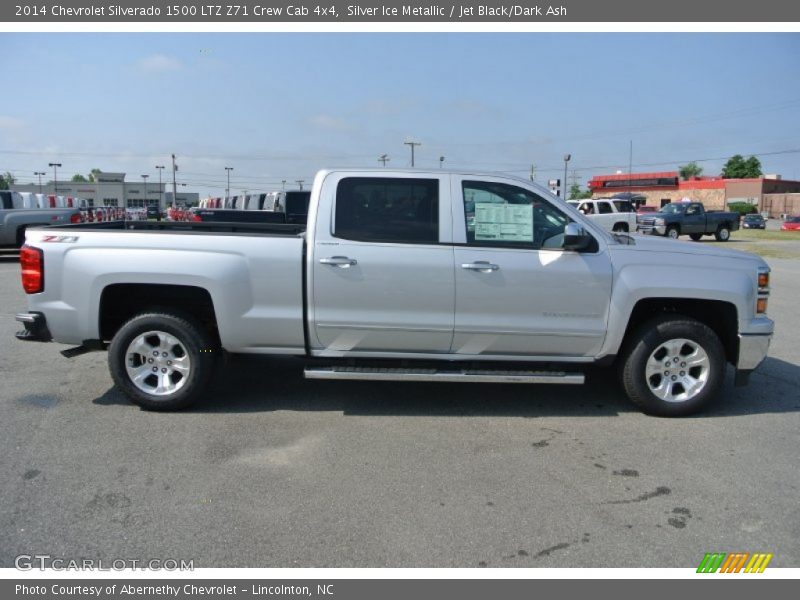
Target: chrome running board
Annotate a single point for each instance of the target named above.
(458, 375)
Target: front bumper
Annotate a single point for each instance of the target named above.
(651, 229)
(753, 350)
(35, 327)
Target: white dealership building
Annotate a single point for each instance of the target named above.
(111, 189)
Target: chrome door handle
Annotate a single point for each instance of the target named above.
(343, 262)
(480, 265)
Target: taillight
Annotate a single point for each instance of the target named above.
(76, 218)
(32, 262)
(196, 217)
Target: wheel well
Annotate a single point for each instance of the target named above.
(621, 226)
(718, 315)
(121, 302)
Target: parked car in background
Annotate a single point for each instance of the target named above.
(689, 218)
(611, 214)
(791, 224)
(754, 221)
(18, 213)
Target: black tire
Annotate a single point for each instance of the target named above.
(650, 339)
(696, 236)
(673, 232)
(194, 342)
(723, 233)
(620, 228)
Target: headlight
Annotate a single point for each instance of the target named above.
(658, 221)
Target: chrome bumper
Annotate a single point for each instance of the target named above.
(752, 352)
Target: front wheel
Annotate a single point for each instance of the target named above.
(673, 366)
(673, 233)
(162, 361)
(723, 233)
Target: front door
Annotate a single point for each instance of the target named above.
(517, 292)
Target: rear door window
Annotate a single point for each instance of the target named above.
(395, 210)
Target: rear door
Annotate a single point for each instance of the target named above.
(518, 293)
(381, 282)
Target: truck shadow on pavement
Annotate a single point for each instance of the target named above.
(263, 384)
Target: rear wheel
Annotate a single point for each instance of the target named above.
(723, 233)
(620, 228)
(673, 366)
(696, 236)
(673, 233)
(162, 361)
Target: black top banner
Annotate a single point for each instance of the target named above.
(397, 11)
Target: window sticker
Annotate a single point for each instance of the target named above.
(503, 222)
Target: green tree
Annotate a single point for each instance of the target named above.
(78, 178)
(93, 174)
(575, 192)
(6, 180)
(753, 167)
(690, 170)
(739, 168)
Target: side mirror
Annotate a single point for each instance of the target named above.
(576, 238)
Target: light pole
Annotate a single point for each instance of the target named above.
(40, 173)
(564, 185)
(55, 177)
(441, 161)
(283, 185)
(228, 173)
(160, 188)
(300, 183)
(146, 203)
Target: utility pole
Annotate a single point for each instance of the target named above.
(412, 144)
(40, 173)
(300, 183)
(174, 184)
(55, 177)
(441, 161)
(567, 157)
(533, 172)
(630, 168)
(283, 185)
(160, 187)
(228, 189)
(384, 158)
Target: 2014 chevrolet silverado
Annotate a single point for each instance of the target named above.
(402, 275)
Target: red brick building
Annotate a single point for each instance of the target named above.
(660, 188)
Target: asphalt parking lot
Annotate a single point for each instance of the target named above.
(271, 470)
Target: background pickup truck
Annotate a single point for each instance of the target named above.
(402, 275)
(14, 221)
(610, 213)
(689, 218)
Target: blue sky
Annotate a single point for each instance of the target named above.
(280, 106)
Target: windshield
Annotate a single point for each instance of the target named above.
(752, 218)
(672, 209)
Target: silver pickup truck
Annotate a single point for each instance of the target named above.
(15, 220)
(402, 275)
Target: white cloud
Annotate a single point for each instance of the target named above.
(159, 63)
(329, 122)
(11, 122)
